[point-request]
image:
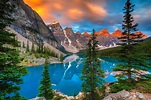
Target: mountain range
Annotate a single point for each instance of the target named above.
(30, 25)
(73, 42)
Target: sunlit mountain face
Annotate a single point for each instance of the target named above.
(83, 15)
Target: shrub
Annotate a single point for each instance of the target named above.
(144, 86)
(58, 97)
(26, 60)
(37, 55)
(116, 87)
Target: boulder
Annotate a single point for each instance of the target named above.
(140, 96)
(122, 95)
(125, 95)
(38, 98)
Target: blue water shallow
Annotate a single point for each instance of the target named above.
(64, 77)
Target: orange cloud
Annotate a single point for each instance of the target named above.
(66, 11)
(97, 10)
(57, 6)
(75, 14)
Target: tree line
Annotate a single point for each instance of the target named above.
(41, 51)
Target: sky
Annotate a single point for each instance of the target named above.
(85, 15)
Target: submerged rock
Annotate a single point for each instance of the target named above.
(38, 98)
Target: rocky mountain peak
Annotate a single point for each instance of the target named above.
(87, 34)
(136, 35)
(117, 33)
(69, 31)
(29, 24)
(103, 32)
(54, 24)
(140, 35)
(78, 33)
(55, 27)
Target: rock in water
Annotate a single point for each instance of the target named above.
(38, 98)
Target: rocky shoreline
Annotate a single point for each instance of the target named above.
(33, 61)
(38, 61)
(121, 95)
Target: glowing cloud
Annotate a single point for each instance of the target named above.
(87, 14)
(97, 10)
(68, 12)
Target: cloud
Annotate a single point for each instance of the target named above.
(84, 15)
(142, 17)
(69, 11)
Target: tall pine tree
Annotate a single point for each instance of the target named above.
(129, 55)
(10, 71)
(27, 47)
(45, 88)
(33, 48)
(23, 46)
(92, 73)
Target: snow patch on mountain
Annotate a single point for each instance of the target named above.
(67, 37)
(68, 47)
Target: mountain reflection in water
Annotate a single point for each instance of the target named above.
(65, 77)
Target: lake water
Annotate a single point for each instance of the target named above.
(64, 77)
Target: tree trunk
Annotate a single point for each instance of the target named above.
(92, 95)
(129, 75)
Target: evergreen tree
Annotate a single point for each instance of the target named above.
(92, 73)
(23, 45)
(61, 57)
(129, 55)
(45, 88)
(27, 47)
(10, 71)
(40, 48)
(33, 48)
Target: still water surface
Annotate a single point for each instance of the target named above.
(64, 77)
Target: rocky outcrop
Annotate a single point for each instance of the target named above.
(57, 30)
(125, 95)
(82, 40)
(30, 25)
(121, 95)
(66, 37)
(70, 36)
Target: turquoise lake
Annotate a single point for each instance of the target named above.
(64, 77)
